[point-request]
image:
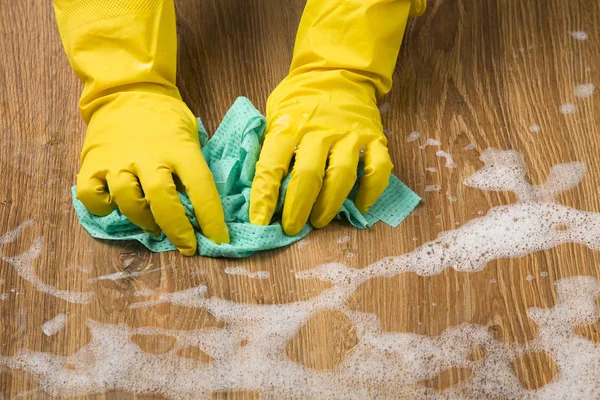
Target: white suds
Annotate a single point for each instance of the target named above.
(431, 169)
(568, 108)
(529, 277)
(544, 274)
(579, 35)
(10, 236)
(144, 292)
(433, 188)
(23, 265)
(382, 363)
(413, 136)
(343, 239)
(123, 274)
(55, 325)
(470, 146)
(303, 243)
(245, 272)
(128, 262)
(449, 160)
(385, 107)
(584, 90)
(431, 142)
(86, 269)
(534, 128)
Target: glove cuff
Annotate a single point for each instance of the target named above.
(73, 14)
(362, 36)
(119, 46)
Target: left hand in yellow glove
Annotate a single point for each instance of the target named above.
(325, 112)
(141, 136)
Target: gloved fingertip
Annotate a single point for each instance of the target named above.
(186, 245)
(217, 232)
(362, 208)
(187, 252)
(320, 221)
(155, 232)
(260, 219)
(292, 229)
(222, 237)
(96, 207)
(364, 200)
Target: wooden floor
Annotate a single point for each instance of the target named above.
(470, 72)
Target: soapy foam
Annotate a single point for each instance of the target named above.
(302, 243)
(430, 142)
(124, 275)
(431, 169)
(534, 128)
(470, 146)
(55, 325)
(382, 362)
(413, 136)
(23, 265)
(385, 107)
(584, 90)
(11, 236)
(433, 188)
(568, 108)
(579, 35)
(244, 272)
(343, 239)
(144, 292)
(449, 160)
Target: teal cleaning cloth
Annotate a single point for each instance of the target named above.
(232, 154)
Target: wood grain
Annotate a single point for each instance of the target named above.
(461, 78)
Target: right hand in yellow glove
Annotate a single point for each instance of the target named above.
(324, 113)
(140, 133)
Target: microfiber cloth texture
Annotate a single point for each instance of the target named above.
(232, 154)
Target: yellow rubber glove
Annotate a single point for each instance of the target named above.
(325, 112)
(141, 137)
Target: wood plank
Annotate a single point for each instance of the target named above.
(470, 72)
